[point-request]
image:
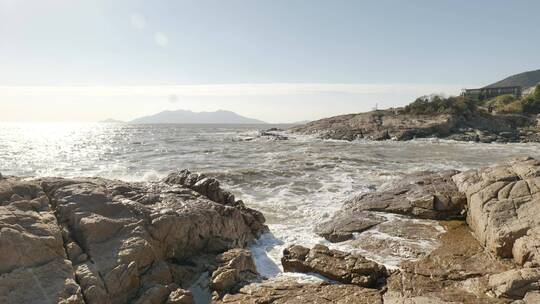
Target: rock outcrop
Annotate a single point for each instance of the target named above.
(335, 265)
(425, 195)
(503, 204)
(456, 272)
(235, 269)
(398, 125)
(493, 259)
(34, 267)
(92, 240)
(290, 291)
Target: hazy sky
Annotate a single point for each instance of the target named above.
(279, 61)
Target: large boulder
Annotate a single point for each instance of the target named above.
(288, 291)
(502, 209)
(235, 269)
(424, 195)
(336, 265)
(515, 283)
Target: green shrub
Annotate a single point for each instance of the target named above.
(504, 104)
(515, 107)
(531, 103)
(430, 105)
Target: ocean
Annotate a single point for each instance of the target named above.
(296, 183)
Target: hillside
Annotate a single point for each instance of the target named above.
(526, 80)
(189, 117)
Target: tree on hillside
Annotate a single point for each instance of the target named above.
(531, 103)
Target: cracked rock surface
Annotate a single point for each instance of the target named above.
(92, 240)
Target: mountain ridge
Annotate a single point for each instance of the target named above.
(190, 117)
(526, 80)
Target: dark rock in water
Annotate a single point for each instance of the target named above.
(336, 265)
(268, 134)
(108, 241)
(349, 222)
(273, 130)
(289, 291)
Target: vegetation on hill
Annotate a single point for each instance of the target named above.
(528, 105)
(434, 104)
(461, 105)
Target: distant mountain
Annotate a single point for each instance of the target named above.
(303, 122)
(189, 117)
(525, 80)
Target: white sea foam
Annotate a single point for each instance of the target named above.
(296, 183)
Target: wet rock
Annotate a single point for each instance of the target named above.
(456, 272)
(288, 291)
(335, 265)
(269, 134)
(399, 238)
(235, 269)
(425, 195)
(348, 223)
(503, 204)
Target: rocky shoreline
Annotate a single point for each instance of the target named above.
(394, 124)
(92, 240)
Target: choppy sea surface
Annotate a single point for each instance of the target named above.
(296, 183)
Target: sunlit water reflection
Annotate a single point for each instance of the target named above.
(296, 183)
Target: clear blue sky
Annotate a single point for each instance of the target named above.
(80, 60)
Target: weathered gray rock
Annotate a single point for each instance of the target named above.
(515, 283)
(180, 296)
(280, 292)
(503, 204)
(456, 272)
(398, 125)
(235, 269)
(399, 238)
(33, 264)
(425, 195)
(342, 226)
(334, 264)
(115, 242)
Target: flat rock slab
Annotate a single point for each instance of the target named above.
(288, 291)
(424, 195)
(399, 238)
(456, 272)
(335, 265)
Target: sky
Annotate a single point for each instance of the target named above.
(275, 60)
